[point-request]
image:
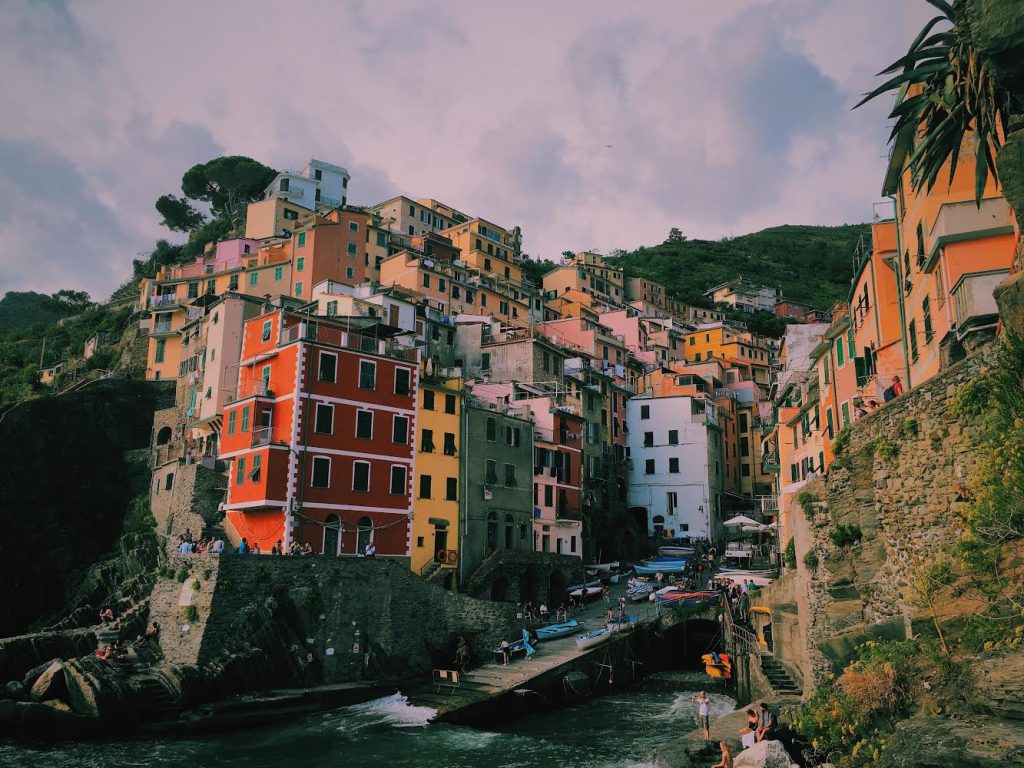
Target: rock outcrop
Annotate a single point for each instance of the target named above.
(764, 754)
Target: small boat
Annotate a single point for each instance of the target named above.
(622, 623)
(744, 578)
(551, 631)
(520, 649)
(754, 571)
(665, 568)
(664, 559)
(587, 593)
(638, 590)
(676, 551)
(591, 639)
(717, 664)
(601, 567)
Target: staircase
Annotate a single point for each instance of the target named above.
(779, 678)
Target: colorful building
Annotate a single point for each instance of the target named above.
(320, 436)
(745, 295)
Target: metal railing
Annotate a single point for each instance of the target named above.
(261, 436)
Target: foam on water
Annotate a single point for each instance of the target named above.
(394, 710)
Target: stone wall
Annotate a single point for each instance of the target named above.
(192, 501)
(903, 481)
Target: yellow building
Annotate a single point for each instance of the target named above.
(273, 217)
(437, 487)
(719, 340)
(587, 273)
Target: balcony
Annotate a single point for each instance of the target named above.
(336, 337)
(162, 328)
(253, 388)
(165, 300)
(974, 307)
(260, 437)
(967, 221)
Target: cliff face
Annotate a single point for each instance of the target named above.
(65, 488)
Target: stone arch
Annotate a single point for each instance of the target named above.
(163, 437)
(499, 589)
(364, 533)
(556, 587)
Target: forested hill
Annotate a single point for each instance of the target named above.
(810, 264)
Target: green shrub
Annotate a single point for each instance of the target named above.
(182, 575)
(842, 441)
(789, 554)
(189, 613)
(909, 428)
(807, 500)
(972, 398)
(845, 535)
(811, 560)
(886, 449)
(196, 584)
(165, 572)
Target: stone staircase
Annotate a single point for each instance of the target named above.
(779, 678)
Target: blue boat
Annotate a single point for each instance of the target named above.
(665, 568)
(551, 631)
(520, 649)
(665, 559)
(620, 623)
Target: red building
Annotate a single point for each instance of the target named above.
(320, 435)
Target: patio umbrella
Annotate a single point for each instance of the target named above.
(739, 520)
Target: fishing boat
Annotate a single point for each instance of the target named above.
(520, 649)
(664, 559)
(586, 593)
(601, 567)
(717, 664)
(551, 631)
(592, 639)
(638, 590)
(676, 551)
(623, 622)
(665, 568)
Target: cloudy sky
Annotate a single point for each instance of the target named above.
(592, 124)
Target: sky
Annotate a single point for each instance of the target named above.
(592, 124)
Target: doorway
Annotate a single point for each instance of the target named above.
(332, 535)
(364, 535)
(440, 544)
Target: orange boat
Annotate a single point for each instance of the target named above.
(717, 664)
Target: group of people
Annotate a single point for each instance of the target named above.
(540, 612)
(111, 647)
(189, 546)
(296, 549)
(760, 725)
(739, 596)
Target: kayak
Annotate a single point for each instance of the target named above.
(651, 570)
(551, 631)
(591, 639)
(586, 592)
(520, 649)
(676, 551)
(638, 590)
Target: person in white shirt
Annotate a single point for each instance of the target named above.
(371, 550)
(218, 546)
(703, 713)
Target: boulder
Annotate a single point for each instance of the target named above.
(15, 690)
(51, 684)
(764, 754)
(974, 742)
(33, 674)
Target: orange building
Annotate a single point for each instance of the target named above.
(331, 247)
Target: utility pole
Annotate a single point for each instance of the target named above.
(41, 353)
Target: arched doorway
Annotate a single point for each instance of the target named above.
(658, 522)
(556, 588)
(332, 535)
(163, 437)
(365, 534)
(499, 589)
(492, 531)
(510, 529)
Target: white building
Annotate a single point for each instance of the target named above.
(746, 296)
(677, 468)
(335, 299)
(317, 185)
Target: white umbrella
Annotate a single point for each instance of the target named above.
(756, 528)
(739, 520)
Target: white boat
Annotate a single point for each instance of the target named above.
(592, 639)
(676, 551)
(601, 567)
(639, 590)
(586, 592)
(745, 578)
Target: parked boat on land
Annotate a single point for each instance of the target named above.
(587, 593)
(601, 567)
(664, 568)
(717, 664)
(676, 551)
(664, 559)
(520, 649)
(623, 622)
(594, 638)
(638, 590)
(552, 631)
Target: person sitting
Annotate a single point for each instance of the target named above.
(561, 614)
(104, 652)
(307, 548)
(726, 761)
(106, 615)
(218, 546)
(506, 653)
(243, 547)
(543, 610)
(766, 722)
(280, 547)
(371, 549)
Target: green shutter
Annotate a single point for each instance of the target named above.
(846, 414)
(245, 419)
(861, 365)
(240, 470)
(231, 422)
(849, 343)
(839, 353)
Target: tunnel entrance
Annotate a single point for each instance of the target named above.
(681, 645)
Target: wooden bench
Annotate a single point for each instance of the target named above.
(447, 678)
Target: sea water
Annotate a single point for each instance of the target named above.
(612, 731)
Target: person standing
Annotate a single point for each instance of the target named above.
(703, 713)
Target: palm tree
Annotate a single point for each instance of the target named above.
(947, 95)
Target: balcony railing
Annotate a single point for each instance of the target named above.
(326, 334)
(162, 327)
(164, 300)
(974, 306)
(261, 436)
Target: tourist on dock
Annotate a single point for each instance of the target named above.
(543, 610)
(726, 761)
(608, 618)
(606, 594)
(766, 722)
(506, 653)
(703, 713)
(371, 550)
(218, 546)
(243, 547)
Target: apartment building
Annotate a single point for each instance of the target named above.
(745, 295)
(320, 436)
(406, 216)
(590, 275)
(642, 289)
(393, 307)
(722, 340)
(492, 351)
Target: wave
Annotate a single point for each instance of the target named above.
(393, 710)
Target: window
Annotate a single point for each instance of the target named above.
(449, 403)
(912, 334)
(332, 308)
(268, 326)
(427, 440)
(829, 426)
(426, 280)
(648, 439)
(745, 470)
(649, 467)
(490, 471)
(193, 290)
(290, 215)
(485, 361)
(161, 348)
(233, 283)
(826, 371)
(851, 350)
(361, 476)
(278, 275)
(367, 374)
(350, 273)
(483, 299)
(673, 437)
(302, 242)
(328, 368)
(449, 444)
(300, 263)
(323, 423)
(492, 429)
(926, 312)
(402, 381)
(673, 502)
(744, 446)
(254, 278)
(441, 285)
(298, 288)
(257, 466)
(673, 465)
(546, 361)
(400, 430)
(503, 307)
(265, 374)
(284, 184)
(428, 399)
(364, 425)
(744, 422)
(353, 226)
(846, 414)
(231, 422)
(840, 357)
(645, 411)
(451, 491)
(512, 436)
(239, 471)
(245, 419)
(510, 475)
(425, 481)
(398, 479)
